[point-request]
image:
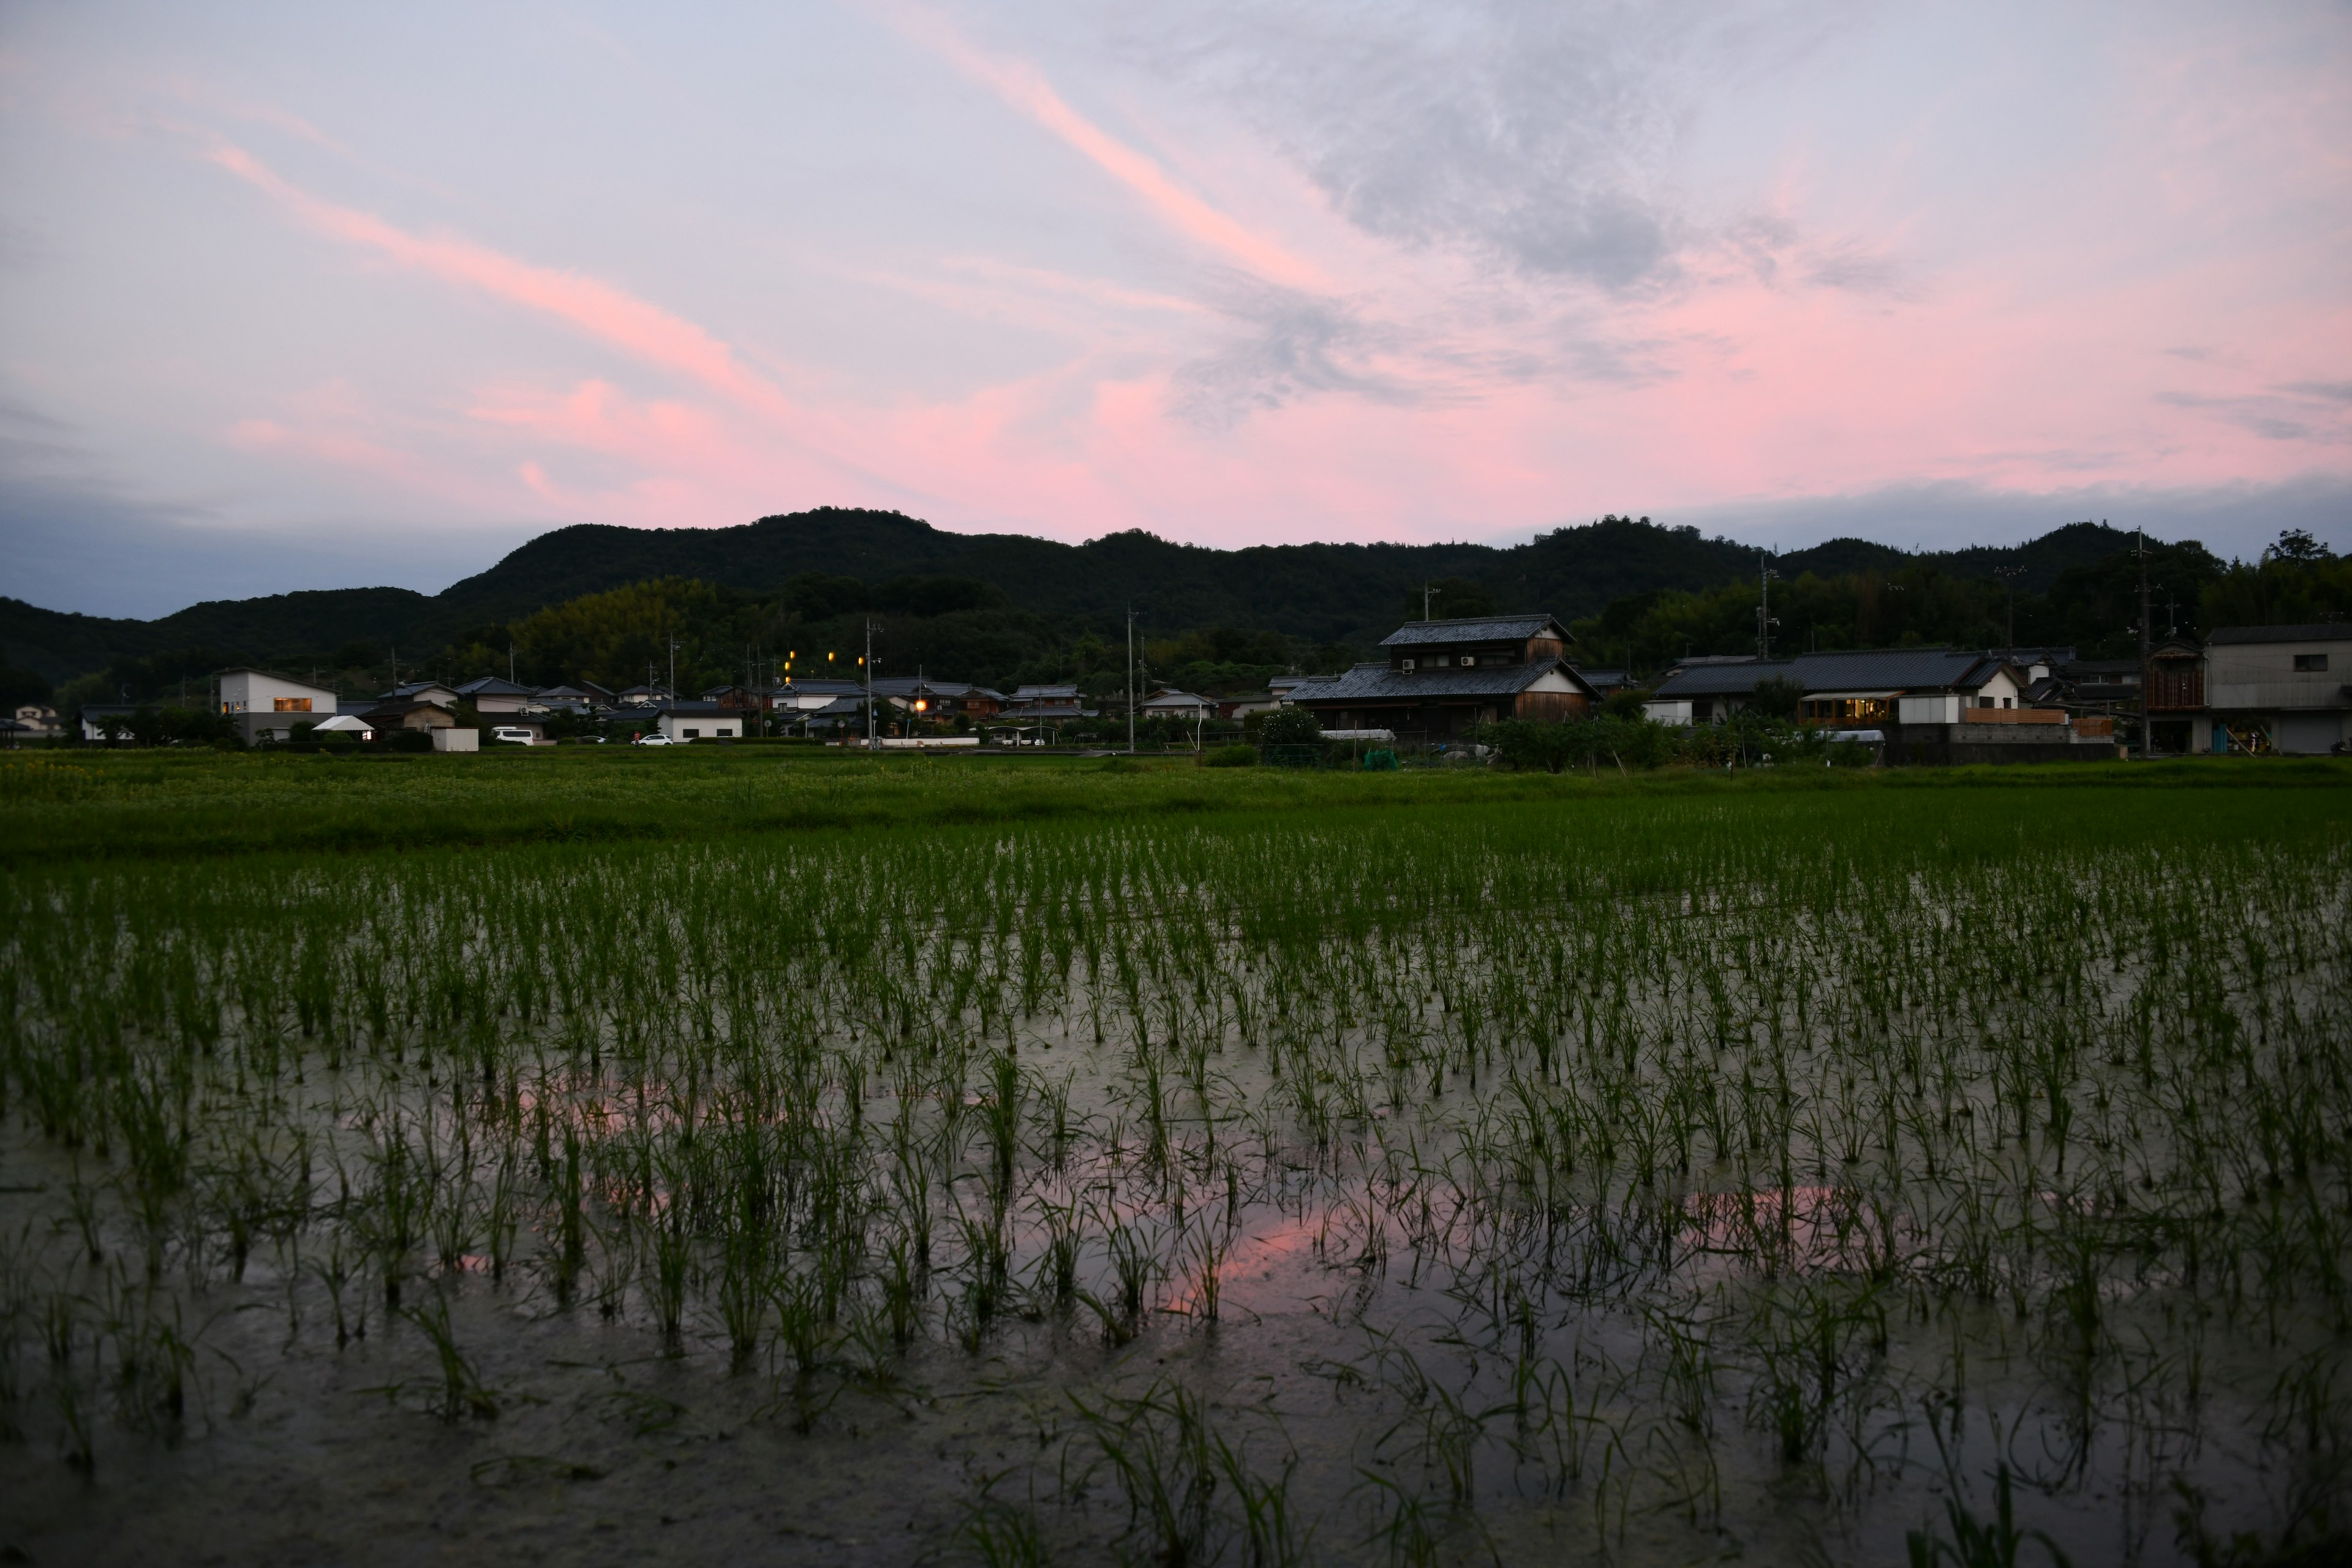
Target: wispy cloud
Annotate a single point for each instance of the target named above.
(1025, 89)
(596, 308)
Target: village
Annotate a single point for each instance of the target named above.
(2242, 691)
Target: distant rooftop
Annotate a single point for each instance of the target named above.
(1476, 628)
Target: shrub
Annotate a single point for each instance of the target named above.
(1230, 757)
(1291, 727)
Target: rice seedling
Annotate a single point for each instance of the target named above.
(1647, 1160)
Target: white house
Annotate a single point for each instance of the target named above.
(1169, 703)
(492, 695)
(701, 722)
(270, 706)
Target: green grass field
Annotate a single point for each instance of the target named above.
(91, 802)
(1005, 1161)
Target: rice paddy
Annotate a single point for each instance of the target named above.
(1793, 1176)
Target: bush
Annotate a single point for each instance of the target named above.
(408, 741)
(1230, 757)
(1291, 727)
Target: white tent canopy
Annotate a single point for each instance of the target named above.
(343, 724)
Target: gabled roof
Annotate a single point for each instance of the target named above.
(492, 686)
(1379, 683)
(2324, 631)
(699, 709)
(409, 689)
(1476, 628)
(273, 675)
(1895, 668)
(1045, 694)
(919, 684)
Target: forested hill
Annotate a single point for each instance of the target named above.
(1326, 592)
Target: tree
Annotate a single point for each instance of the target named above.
(2298, 544)
(1778, 697)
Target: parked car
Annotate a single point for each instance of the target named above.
(514, 734)
(655, 739)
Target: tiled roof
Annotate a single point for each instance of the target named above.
(2324, 631)
(1483, 629)
(492, 686)
(1379, 683)
(1902, 668)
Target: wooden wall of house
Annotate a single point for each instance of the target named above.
(1554, 706)
(1540, 649)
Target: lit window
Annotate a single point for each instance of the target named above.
(292, 704)
(2311, 664)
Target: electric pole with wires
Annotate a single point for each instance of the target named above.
(2010, 574)
(2147, 653)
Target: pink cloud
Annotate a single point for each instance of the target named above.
(595, 308)
(1025, 88)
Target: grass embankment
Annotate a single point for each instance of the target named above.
(102, 804)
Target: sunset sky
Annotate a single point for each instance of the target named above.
(303, 296)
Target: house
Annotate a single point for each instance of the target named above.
(940, 698)
(701, 722)
(642, 696)
(267, 707)
(491, 695)
(1249, 702)
(1441, 678)
(1169, 703)
(807, 697)
(844, 714)
(408, 713)
(1867, 687)
(2279, 689)
(582, 700)
(37, 721)
(105, 720)
(1607, 682)
(1051, 704)
(1927, 704)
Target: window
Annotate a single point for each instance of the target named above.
(725, 733)
(292, 704)
(694, 734)
(2311, 664)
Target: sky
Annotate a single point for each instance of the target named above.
(298, 296)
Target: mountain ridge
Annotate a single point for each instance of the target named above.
(1328, 592)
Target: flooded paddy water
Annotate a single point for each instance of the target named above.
(1778, 1179)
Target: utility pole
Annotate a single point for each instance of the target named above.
(1764, 621)
(673, 667)
(2144, 652)
(1130, 681)
(510, 680)
(2010, 574)
(1424, 601)
(868, 662)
